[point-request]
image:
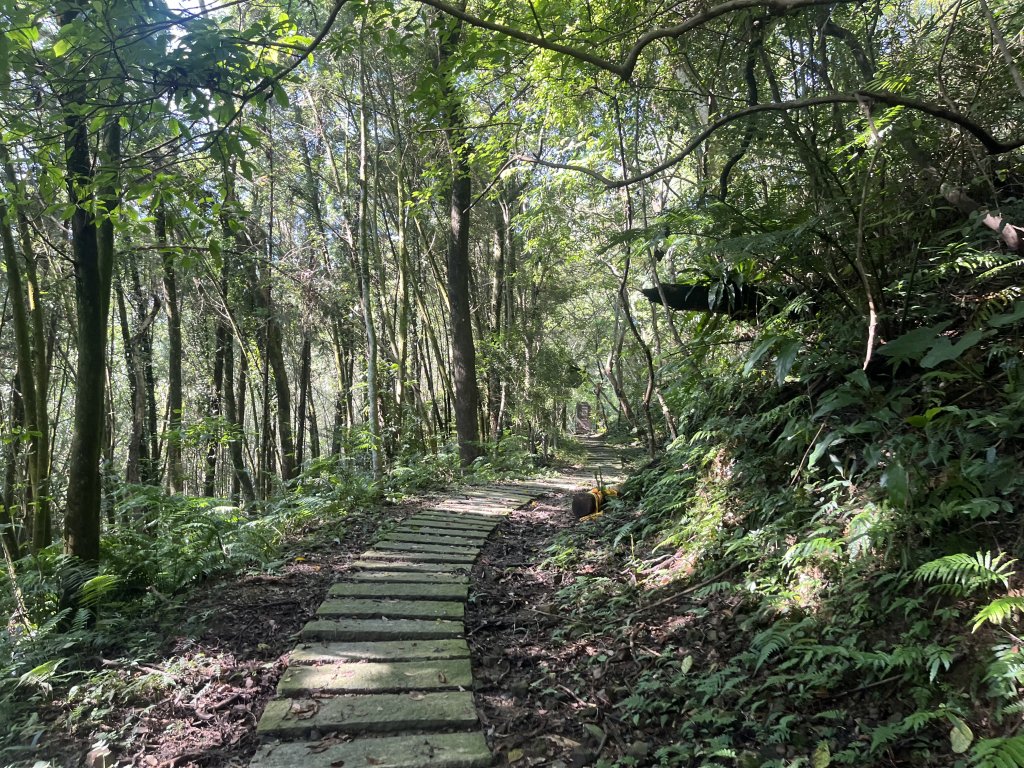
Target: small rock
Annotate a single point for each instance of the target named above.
(100, 757)
(638, 749)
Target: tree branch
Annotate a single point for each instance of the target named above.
(991, 144)
(624, 70)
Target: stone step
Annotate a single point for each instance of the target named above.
(390, 609)
(443, 529)
(389, 650)
(370, 713)
(404, 591)
(450, 536)
(391, 565)
(450, 522)
(465, 512)
(406, 537)
(436, 750)
(380, 576)
(361, 630)
(476, 511)
(427, 549)
(420, 557)
(375, 677)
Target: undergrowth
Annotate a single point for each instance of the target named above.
(825, 564)
(63, 617)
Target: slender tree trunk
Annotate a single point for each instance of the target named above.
(364, 287)
(30, 342)
(93, 251)
(175, 403)
(467, 395)
(221, 341)
(300, 418)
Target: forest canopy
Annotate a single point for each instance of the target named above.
(252, 249)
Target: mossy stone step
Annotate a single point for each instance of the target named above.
(427, 549)
(371, 713)
(440, 532)
(420, 557)
(469, 511)
(360, 630)
(405, 537)
(390, 609)
(449, 536)
(381, 576)
(391, 565)
(376, 677)
(450, 523)
(388, 650)
(435, 750)
(404, 591)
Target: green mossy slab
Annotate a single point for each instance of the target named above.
(375, 677)
(389, 650)
(390, 609)
(360, 630)
(372, 713)
(435, 750)
(395, 591)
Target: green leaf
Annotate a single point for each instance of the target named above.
(785, 360)
(914, 344)
(759, 351)
(998, 611)
(1009, 318)
(897, 482)
(961, 737)
(61, 47)
(822, 756)
(943, 351)
(280, 96)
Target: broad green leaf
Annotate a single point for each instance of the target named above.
(822, 756)
(785, 360)
(961, 736)
(61, 47)
(1009, 318)
(897, 483)
(913, 344)
(943, 351)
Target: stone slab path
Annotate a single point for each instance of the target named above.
(381, 677)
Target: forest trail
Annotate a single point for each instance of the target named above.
(382, 676)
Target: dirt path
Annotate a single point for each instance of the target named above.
(382, 675)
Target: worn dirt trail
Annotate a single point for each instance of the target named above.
(382, 676)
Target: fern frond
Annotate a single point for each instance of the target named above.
(969, 572)
(998, 611)
(999, 753)
(96, 588)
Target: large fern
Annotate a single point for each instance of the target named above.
(999, 753)
(964, 574)
(998, 611)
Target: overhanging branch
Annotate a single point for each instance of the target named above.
(624, 69)
(991, 144)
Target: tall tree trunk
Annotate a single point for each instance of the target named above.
(373, 425)
(467, 395)
(93, 252)
(30, 342)
(175, 403)
(221, 341)
(300, 417)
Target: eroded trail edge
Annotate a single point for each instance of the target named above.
(381, 676)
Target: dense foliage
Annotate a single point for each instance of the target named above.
(254, 249)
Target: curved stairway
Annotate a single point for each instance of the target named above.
(382, 676)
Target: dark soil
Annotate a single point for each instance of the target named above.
(548, 689)
(197, 704)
